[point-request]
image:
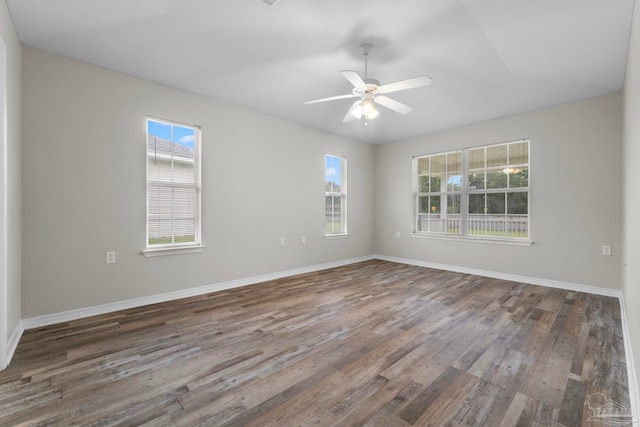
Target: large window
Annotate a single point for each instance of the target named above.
(173, 184)
(335, 195)
(491, 202)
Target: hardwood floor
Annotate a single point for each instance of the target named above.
(374, 343)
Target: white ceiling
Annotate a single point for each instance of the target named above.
(487, 58)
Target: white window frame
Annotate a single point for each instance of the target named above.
(176, 247)
(465, 193)
(342, 194)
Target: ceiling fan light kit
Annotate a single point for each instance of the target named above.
(371, 92)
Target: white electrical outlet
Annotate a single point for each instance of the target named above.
(606, 250)
(397, 234)
(111, 257)
(303, 239)
(282, 241)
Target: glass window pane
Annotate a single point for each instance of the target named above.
(333, 221)
(518, 203)
(477, 203)
(497, 156)
(454, 163)
(423, 184)
(423, 204)
(454, 183)
(423, 166)
(476, 159)
(476, 181)
(519, 153)
(435, 202)
(496, 203)
(439, 164)
(496, 179)
(519, 177)
(453, 204)
(438, 183)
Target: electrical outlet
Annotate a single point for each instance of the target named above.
(303, 239)
(606, 250)
(111, 257)
(282, 241)
(397, 234)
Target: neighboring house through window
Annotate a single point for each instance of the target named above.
(491, 202)
(173, 184)
(335, 195)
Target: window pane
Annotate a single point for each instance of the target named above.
(497, 156)
(453, 204)
(454, 183)
(476, 203)
(183, 155)
(519, 178)
(435, 204)
(454, 163)
(476, 159)
(333, 222)
(423, 184)
(495, 203)
(333, 174)
(519, 153)
(518, 203)
(518, 218)
(423, 204)
(476, 181)
(438, 183)
(423, 166)
(439, 164)
(496, 179)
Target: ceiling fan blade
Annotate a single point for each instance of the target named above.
(354, 78)
(331, 98)
(405, 84)
(350, 115)
(392, 104)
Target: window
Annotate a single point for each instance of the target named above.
(335, 195)
(173, 185)
(492, 202)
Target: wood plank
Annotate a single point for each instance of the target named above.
(372, 343)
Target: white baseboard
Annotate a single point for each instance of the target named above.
(13, 341)
(67, 316)
(634, 395)
(511, 277)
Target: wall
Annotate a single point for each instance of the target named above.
(631, 224)
(13, 173)
(84, 189)
(575, 199)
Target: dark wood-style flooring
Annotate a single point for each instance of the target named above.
(374, 343)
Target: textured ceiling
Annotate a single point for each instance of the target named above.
(487, 58)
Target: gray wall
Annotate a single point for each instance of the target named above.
(575, 199)
(13, 173)
(84, 189)
(631, 278)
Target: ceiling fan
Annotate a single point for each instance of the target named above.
(370, 92)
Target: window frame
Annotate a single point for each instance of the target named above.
(466, 192)
(175, 247)
(342, 194)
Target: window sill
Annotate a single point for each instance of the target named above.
(513, 242)
(173, 250)
(336, 236)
